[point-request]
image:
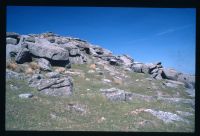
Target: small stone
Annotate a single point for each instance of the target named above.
(87, 79)
(91, 71)
(27, 95)
(106, 80)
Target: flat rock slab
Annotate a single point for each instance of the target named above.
(166, 117)
(114, 94)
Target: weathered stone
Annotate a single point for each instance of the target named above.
(11, 41)
(44, 64)
(23, 56)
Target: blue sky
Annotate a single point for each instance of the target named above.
(146, 34)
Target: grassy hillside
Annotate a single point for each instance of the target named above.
(93, 111)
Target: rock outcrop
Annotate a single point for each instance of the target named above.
(53, 84)
(50, 50)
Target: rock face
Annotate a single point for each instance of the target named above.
(49, 52)
(23, 56)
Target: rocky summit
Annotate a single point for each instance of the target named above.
(56, 82)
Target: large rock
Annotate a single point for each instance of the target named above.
(189, 80)
(12, 35)
(30, 39)
(49, 52)
(114, 94)
(54, 86)
(23, 56)
(170, 74)
(127, 61)
(11, 41)
(137, 67)
(11, 50)
(44, 64)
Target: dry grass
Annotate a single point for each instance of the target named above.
(12, 66)
(92, 66)
(117, 81)
(34, 65)
(29, 71)
(60, 69)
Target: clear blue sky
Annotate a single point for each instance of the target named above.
(146, 34)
